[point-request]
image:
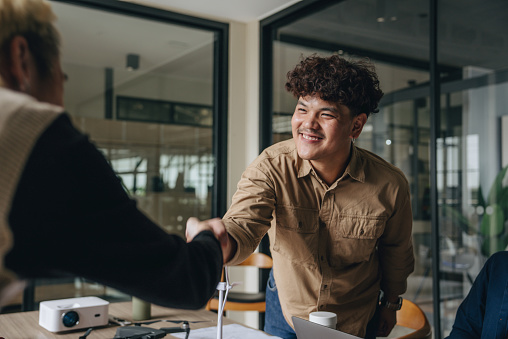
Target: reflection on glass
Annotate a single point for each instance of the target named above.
(472, 141)
(394, 36)
(152, 119)
(471, 178)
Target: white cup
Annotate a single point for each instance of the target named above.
(327, 319)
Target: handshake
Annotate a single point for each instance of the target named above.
(228, 244)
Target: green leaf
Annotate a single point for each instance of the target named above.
(494, 244)
(458, 218)
(495, 193)
(492, 223)
(503, 199)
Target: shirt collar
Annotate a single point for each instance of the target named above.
(355, 168)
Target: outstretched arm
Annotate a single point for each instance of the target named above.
(71, 216)
(228, 244)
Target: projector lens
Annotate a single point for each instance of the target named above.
(70, 318)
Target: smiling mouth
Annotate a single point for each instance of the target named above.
(308, 137)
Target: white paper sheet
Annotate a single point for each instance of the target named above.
(233, 331)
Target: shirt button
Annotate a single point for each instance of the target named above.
(361, 232)
(325, 286)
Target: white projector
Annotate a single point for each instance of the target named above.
(73, 313)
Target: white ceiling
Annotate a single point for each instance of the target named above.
(225, 10)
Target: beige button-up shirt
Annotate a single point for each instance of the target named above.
(334, 248)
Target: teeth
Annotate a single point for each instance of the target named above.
(309, 137)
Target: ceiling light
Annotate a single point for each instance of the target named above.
(132, 62)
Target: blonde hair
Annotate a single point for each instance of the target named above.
(34, 20)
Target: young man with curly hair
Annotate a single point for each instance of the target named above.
(338, 217)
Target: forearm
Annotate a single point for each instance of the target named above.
(250, 214)
(71, 215)
(231, 249)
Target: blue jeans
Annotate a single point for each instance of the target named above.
(275, 324)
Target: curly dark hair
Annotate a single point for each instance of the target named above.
(353, 84)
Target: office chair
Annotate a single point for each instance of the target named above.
(453, 259)
(242, 301)
(412, 316)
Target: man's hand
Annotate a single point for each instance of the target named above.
(387, 320)
(228, 244)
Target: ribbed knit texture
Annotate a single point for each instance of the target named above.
(22, 121)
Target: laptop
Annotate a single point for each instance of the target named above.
(308, 330)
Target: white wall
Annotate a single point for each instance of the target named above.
(243, 126)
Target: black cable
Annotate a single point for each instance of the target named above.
(86, 333)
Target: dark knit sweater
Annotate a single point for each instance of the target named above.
(70, 215)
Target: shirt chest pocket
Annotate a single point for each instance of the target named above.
(296, 234)
(354, 239)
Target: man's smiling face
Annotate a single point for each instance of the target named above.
(322, 130)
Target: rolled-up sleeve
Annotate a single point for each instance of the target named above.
(251, 212)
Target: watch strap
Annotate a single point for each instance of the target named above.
(392, 306)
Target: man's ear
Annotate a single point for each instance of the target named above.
(20, 65)
(358, 122)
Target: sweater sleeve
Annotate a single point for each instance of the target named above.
(70, 215)
(483, 313)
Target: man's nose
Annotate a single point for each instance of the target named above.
(310, 121)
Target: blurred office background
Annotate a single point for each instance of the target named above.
(181, 98)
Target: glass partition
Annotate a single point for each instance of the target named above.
(143, 91)
(143, 84)
(471, 145)
(394, 36)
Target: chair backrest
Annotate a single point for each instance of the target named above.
(240, 301)
(412, 316)
(259, 260)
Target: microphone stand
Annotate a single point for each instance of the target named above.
(223, 287)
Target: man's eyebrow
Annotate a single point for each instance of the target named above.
(325, 108)
(330, 109)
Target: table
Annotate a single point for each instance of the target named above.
(25, 325)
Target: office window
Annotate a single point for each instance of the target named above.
(149, 88)
(395, 38)
(470, 146)
(472, 143)
(143, 91)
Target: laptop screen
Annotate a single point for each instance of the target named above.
(308, 330)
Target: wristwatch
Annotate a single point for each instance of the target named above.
(392, 306)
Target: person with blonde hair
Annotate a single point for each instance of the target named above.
(63, 210)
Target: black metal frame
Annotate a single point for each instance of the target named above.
(435, 127)
(220, 92)
(220, 78)
(268, 28)
(169, 118)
